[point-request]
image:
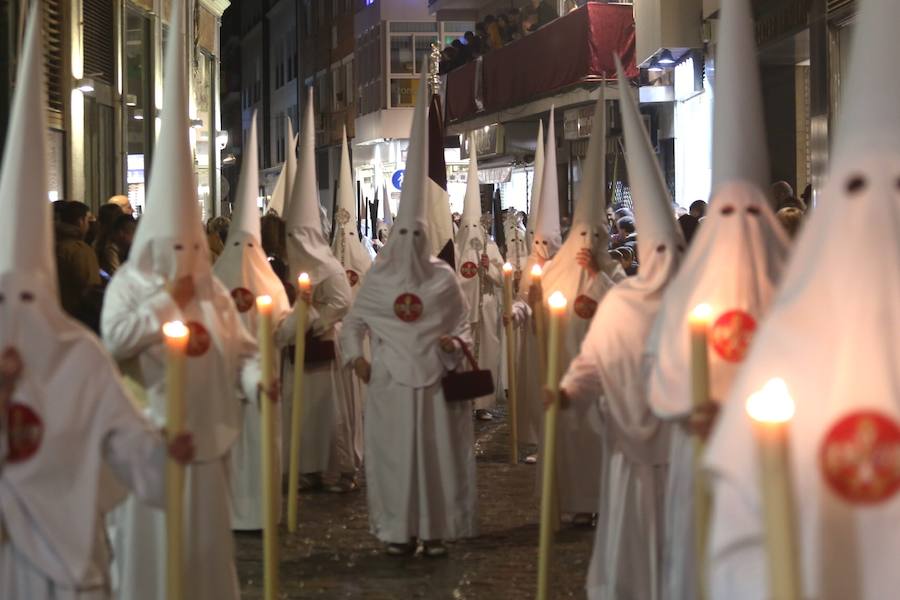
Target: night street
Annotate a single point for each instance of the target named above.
(334, 556)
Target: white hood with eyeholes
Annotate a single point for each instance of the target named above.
(243, 265)
(347, 246)
(169, 245)
(410, 298)
(833, 337)
(69, 402)
(737, 256)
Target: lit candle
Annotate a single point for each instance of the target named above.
(698, 323)
(302, 309)
(557, 304)
(267, 440)
(512, 391)
(176, 336)
(538, 309)
(771, 410)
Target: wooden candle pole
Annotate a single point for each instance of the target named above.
(302, 309)
(512, 384)
(176, 336)
(771, 411)
(270, 485)
(557, 304)
(699, 321)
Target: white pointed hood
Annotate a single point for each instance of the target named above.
(737, 256)
(618, 335)
(346, 245)
(281, 195)
(536, 185)
(589, 225)
(409, 297)
(170, 241)
(471, 237)
(547, 235)
(832, 337)
(308, 249)
(243, 266)
(388, 215)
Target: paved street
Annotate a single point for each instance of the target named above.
(334, 556)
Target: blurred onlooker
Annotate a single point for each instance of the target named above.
(791, 218)
(474, 43)
(569, 6)
(78, 270)
(114, 247)
(216, 233)
(546, 12)
(698, 209)
(123, 203)
(528, 22)
(689, 224)
(495, 40)
(779, 192)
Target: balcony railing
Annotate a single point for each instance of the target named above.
(573, 50)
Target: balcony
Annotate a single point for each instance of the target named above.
(575, 50)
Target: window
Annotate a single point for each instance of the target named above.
(401, 54)
(403, 92)
(410, 50)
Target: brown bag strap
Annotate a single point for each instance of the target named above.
(465, 348)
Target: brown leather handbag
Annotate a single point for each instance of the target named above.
(460, 386)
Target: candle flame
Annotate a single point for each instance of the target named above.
(702, 313)
(507, 268)
(557, 301)
(263, 302)
(537, 271)
(175, 330)
(772, 404)
(303, 280)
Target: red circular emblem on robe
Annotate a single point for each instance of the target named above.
(468, 270)
(243, 299)
(352, 277)
(25, 432)
(731, 335)
(585, 307)
(408, 307)
(198, 343)
(860, 457)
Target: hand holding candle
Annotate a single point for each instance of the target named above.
(511, 364)
(771, 411)
(176, 336)
(557, 304)
(270, 484)
(304, 286)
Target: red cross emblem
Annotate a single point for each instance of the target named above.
(860, 457)
(408, 307)
(585, 307)
(199, 341)
(352, 277)
(25, 432)
(243, 299)
(468, 270)
(731, 335)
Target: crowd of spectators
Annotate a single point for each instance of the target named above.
(495, 31)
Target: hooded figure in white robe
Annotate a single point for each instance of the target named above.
(516, 242)
(733, 264)
(480, 269)
(627, 558)
(420, 457)
(331, 443)
(67, 423)
(346, 246)
(831, 336)
(284, 185)
(580, 447)
(168, 277)
(245, 270)
(545, 238)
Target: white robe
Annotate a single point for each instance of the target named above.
(133, 314)
(52, 542)
(420, 457)
(330, 439)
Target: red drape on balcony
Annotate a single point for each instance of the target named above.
(574, 49)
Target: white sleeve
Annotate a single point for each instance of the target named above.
(582, 380)
(133, 450)
(353, 332)
(331, 302)
(130, 325)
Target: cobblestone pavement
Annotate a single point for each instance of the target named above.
(333, 555)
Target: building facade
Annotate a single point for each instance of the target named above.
(105, 79)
